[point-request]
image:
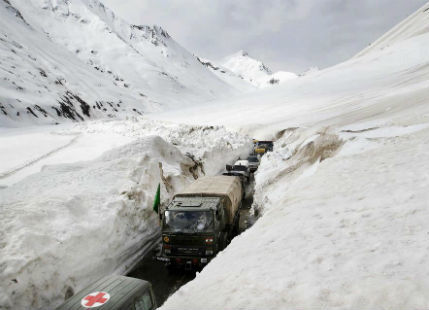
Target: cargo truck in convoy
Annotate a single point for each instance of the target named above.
(200, 221)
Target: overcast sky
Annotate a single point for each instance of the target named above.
(290, 35)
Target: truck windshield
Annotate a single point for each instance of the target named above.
(188, 221)
(239, 168)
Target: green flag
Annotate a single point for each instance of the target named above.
(157, 200)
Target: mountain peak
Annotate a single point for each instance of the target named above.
(243, 53)
(254, 70)
(243, 64)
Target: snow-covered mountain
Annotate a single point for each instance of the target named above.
(236, 80)
(254, 71)
(75, 59)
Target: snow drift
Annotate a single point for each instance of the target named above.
(59, 235)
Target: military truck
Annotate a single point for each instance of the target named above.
(200, 221)
(261, 147)
(240, 169)
(113, 292)
(253, 162)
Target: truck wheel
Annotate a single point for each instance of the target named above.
(236, 230)
(224, 242)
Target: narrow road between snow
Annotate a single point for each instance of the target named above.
(165, 282)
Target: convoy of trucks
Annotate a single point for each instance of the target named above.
(199, 222)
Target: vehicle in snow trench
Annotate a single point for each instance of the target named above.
(253, 163)
(200, 221)
(240, 169)
(113, 292)
(262, 147)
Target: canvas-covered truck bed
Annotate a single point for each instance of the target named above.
(226, 187)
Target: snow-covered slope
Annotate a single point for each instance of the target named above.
(236, 80)
(77, 60)
(254, 71)
(416, 24)
(343, 197)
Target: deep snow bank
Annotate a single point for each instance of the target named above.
(24, 151)
(343, 227)
(71, 223)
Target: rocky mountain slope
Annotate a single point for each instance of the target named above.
(76, 60)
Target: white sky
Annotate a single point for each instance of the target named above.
(285, 34)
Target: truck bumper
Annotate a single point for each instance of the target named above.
(183, 261)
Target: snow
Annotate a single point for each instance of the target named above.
(254, 71)
(76, 60)
(350, 234)
(342, 201)
(11, 146)
(415, 25)
(91, 214)
(236, 80)
(370, 88)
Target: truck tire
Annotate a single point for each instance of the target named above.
(236, 229)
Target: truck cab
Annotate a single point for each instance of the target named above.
(193, 230)
(253, 163)
(113, 292)
(262, 147)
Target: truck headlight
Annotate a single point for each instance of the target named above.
(209, 251)
(209, 240)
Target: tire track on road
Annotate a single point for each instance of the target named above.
(7, 174)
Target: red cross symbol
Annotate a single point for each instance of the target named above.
(95, 299)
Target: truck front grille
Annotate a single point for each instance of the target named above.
(187, 251)
(187, 241)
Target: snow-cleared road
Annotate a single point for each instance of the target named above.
(165, 282)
